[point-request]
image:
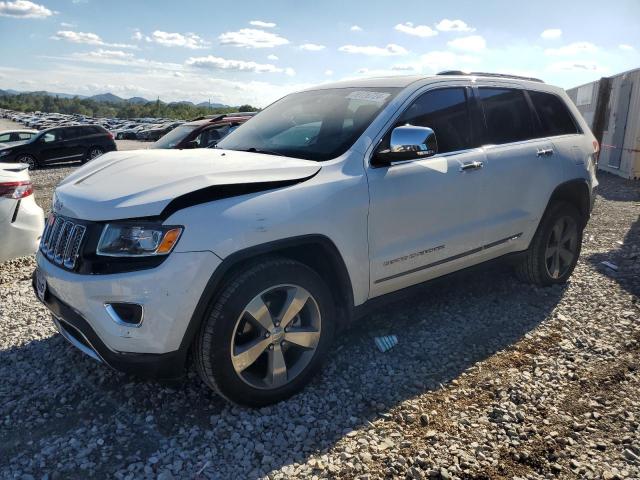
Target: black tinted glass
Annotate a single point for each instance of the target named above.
(507, 114)
(553, 114)
(446, 112)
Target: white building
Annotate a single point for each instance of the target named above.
(611, 107)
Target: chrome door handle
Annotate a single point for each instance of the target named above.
(544, 152)
(471, 166)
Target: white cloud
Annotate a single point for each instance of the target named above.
(626, 48)
(312, 47)
(417, 30)
(472, 43)
(67, 25)
(219, 63)
(101, 53)
(390, 50)
(187, 40)
(356, 28)
(446, 25)
(272, 57)
(252, 38)
(551, 34)
(24, 9)
(575, 48)
(261, 24)
(577, 66)
(137, 35)
(195, 85)
(328, 73)
(120, 58)
(86, 38)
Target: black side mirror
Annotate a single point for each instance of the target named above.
(407, 143)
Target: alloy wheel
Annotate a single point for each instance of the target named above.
(276, 336)
(95, 152)
(29, 161)
(561, 247)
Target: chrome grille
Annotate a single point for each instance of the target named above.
(61, 241)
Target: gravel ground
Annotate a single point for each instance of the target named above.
(490, 379)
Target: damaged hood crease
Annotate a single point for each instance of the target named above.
(145, 183)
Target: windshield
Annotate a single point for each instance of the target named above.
(174, 137)
(314, 125)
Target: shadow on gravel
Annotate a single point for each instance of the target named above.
(60, 411)
(618, 189)
(626, 256)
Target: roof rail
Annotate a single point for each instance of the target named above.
(485, 74)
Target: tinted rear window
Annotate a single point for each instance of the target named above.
(508, 116)
(553, 113)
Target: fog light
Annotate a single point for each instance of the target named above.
(125, 314)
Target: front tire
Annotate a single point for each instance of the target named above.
(267, 333)
(555, 247)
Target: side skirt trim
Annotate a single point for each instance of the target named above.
(452, 258)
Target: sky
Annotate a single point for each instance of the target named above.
(255, 51)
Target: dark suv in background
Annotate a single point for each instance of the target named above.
(203, 132)
(60, 144)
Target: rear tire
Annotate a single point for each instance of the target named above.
(29, 160)
(93, 152)
(555, 248)
(265, 356)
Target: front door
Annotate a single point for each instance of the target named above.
(424, 213)
(51, 146)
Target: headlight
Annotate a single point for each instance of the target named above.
(4, 153)
(131, 240)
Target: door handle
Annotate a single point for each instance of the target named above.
(471, 166)
(544, 152)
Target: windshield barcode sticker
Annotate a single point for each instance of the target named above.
(377, 97)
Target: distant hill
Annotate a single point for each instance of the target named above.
(137, 101)
(212, 105)
(111, 98)
(183, 102)
(107, 98)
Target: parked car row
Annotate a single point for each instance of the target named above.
(149, 129)
(199, 133)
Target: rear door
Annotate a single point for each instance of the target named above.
(76, 142)
(521, 169)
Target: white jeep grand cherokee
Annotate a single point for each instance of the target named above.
(252, 255)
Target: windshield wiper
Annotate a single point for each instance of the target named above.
(259, 150)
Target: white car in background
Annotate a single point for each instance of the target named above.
(21, 219)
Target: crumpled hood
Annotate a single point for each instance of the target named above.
(141, 183)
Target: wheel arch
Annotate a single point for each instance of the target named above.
(574, 192)
(316, 251)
